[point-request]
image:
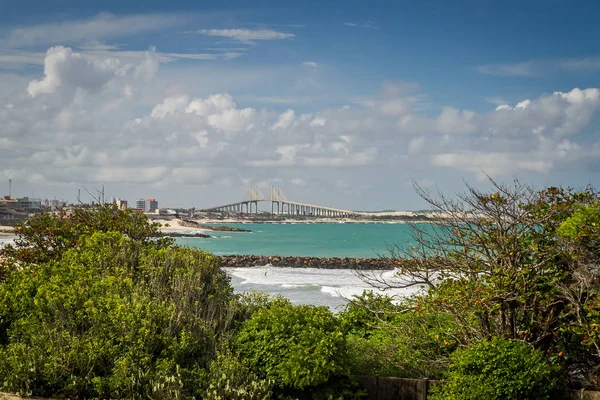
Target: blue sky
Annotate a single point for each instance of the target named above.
(192, 102)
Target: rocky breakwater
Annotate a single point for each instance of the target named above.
(308, 262)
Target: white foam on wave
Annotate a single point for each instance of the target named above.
(340, 283)
(4, 240)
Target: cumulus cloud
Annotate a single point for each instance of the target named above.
(248, 35)
(170, 106)
(212, 104)
(63, 67)
(310, 64)
(285, 120)
(93, 121)
(491, 163)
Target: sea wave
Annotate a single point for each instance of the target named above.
(337, 283)
(4, 240)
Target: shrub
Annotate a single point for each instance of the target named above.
(46, 236)
(297, 347)
(397, 340)
(497, 370)
(230, 379)
(115, 318)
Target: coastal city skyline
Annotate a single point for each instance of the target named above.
(344, 104)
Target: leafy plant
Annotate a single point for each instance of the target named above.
(114, 318)
(397, 340)
(44, 237)
(297, 347)
(497, 369)
(230, 379)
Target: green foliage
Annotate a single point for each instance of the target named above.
(585, 221)
(114, 318)
(397, 340)
(518, 264)
(296, 347)
(46, 236)
(365, 313)
(497, 369)
(230, 379)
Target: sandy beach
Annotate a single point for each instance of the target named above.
(7, 231)
(173, 225)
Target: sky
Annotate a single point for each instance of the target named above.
(345, 104)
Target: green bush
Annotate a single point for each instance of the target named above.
(230, 379)
(113, 318)
(45, 237)
(497, 370)
(401, 340)
(297, 347)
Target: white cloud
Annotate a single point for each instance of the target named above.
(212, 104)
(492, 163)
(95, 28)
(525, 69)
(170, 106)
(115, 128)
(367, 24)
(285, 120)
(299, 182)
(248, 35)
(310, 64)
(19, 58)
(454, 121)
(318, 121)
(63, 67)
(416, 145)
(233, 120)
(582, 64)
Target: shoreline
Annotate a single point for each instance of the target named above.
(249, 261)
(6, 231)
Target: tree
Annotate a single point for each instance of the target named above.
(509, 263)
(113, 318)
(46, 236)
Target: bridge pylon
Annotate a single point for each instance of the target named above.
(284, 206)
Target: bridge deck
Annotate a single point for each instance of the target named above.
(314, 206)
(293, 203)
(230, 205)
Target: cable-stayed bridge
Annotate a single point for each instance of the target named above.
(280, 205)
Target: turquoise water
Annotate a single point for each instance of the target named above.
(317, 240)
(330, 288)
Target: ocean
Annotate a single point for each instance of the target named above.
(316, 240)
(324, 287)
(331, 288)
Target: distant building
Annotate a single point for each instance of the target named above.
(8, 203)
(120, 203)
(150, 205)
(140, 204)
(29, 205)
(54, 204)
(7, 206)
